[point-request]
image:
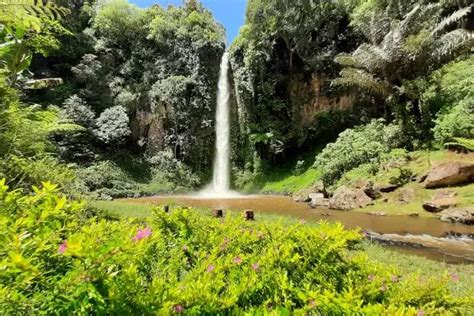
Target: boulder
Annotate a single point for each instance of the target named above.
(438, 205)
(387, 188)
(449, 174)
(318, 187)
(372, 191)
(458, 215)
(315, 196)
(377, 213)
(347, 199)
(302, 196)
(318, 200)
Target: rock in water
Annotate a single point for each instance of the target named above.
(448, 174)
(302, 196)
(318, 200)
(347, 199)
(458, 215)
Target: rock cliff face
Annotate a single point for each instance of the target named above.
(314, 99)
(275, 117)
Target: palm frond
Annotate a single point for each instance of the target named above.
(346, 60)
(34, 7)
(453, 18)
(465, 143)
(452, 41)
(38, 84)
(413, 21)
(351, 77)
(370, 57)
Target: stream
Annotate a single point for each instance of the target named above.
(427, 237)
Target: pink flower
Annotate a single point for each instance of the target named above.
(142, 233)
(394, 278)
(237, 260)
(312, 303)
(63, 247)
(178, 309)
(371, 277)
(255, 267)
(225, 243)
(420, 312)
(210, 268)
(383, 288)
(454, 277)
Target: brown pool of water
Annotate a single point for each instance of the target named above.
(281, 205)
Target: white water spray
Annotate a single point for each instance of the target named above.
(220, 186)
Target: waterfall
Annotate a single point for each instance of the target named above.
(221, 172)
(220, 186)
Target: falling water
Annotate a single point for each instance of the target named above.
(221, 175)
(220, 186)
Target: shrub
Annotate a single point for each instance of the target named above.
(404, 176)
(357, 146)
(77, 110)
(299, 168)
(57, 261)
(112, 125)
(458, 122)
(166, 167)
(107, 180)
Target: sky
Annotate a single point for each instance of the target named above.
(230, 13)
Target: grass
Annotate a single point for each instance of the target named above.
(420, 163)
(122, 209)
(282, 180)
(291, 183)
(406, 263)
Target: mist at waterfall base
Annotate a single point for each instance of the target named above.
(220, 185)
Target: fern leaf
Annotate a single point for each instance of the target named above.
(452, 41)
(464, 143)
(453, 18)
(362, 79)
(33, 7)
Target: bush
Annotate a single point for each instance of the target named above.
(77, 110)
(357, 146)
(112, 125)
(57, 261)
(25, 172)
(166, 167)
(458, 122)
(107, 180)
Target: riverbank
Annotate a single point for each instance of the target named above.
(406, 197)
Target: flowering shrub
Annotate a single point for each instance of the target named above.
(54, 261)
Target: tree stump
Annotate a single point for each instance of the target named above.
(217, 213)
(249, 215)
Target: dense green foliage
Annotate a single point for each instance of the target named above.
(295, 61)
(354, 147)
(60, 261)
(134, 78)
